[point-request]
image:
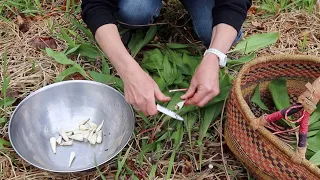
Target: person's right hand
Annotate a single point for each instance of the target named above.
(141, 91)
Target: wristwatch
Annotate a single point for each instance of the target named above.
(222, 57)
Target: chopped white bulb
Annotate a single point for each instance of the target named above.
(53, 144)
(59, 139)
(72, 156)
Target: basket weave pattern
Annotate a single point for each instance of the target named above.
(265, 156)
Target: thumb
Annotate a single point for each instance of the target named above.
(160, 96)
(190, 92)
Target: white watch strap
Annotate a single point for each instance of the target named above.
(222, 56)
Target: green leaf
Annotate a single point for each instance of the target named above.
(3, 120)
(71, 49)
(4, 143)
(315, 116)
(8, 101)
(100, 173)
(169, 71)
(137, 44)
(170, 166)
(256, 42)
(135, 39)
(242, 60)
(152, 60)
(256, 98)
(86, 31)
(189, 120)
(279, 93)
(210, 114)
(120, 164)
(177, 46)
(108, 79)
(312, 133)
(315, 159)
(192, 62)
(161, 83)
(67, 72)
(177, 135)
(314, 143)
(65, 36)
(60, 57)
(88, 50)
(145, 149)
(314, 126)
(105, 66)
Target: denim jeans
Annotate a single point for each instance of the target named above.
(135, 13)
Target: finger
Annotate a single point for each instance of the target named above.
(151, 107)
(198, 96)
(190, 92)
(160, 96)
(205, 100)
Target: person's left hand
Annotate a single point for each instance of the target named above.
(205, 82)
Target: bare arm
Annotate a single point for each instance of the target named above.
(109, 40)
(139, 88)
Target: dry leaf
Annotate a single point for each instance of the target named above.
(43, 42)
(76, 76)
(259, 26)
(23, 26)
(253, 10)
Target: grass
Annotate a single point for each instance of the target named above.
(161, 147)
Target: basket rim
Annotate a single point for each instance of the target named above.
(248, 114)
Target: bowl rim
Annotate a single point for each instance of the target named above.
(59, 84)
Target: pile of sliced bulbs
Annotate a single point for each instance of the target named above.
(85, 131)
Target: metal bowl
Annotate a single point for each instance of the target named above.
(63, 105)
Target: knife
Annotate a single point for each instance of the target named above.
(169, 112)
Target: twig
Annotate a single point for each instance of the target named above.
(220, 132)
(10, 163)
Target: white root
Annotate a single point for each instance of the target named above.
(99, 137)
(78, 131)
(67, 143)
(59, 139)
(92, 125)
(179, 105)
(69, 133)
(99, 127)
(83, 127)
(72, 156)
(86, 135)
(53, 143)
(64, 135)
(77, 137)
(93, 138)
(84, 122)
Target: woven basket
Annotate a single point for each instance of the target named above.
(263, 153)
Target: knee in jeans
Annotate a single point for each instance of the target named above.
(138, 13)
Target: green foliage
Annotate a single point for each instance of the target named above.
(279, 93)
(277, 6)
(256, 42)
(6, 101)
(256, 98)
(62, 58)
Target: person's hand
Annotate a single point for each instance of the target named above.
(205, 82)
(141, 91)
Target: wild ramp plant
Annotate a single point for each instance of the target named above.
(171, 65)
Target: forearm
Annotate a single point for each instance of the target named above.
(110, 42)
(223, 36)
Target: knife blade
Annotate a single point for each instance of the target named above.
(169, 112)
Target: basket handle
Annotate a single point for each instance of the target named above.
(307, 102)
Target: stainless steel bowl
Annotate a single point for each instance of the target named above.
(63, 105)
